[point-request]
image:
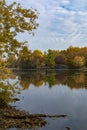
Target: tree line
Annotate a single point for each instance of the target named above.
(72, 57)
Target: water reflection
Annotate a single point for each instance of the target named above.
(74, 80)
(7, 90)
(60, 92)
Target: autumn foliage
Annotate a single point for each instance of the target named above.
(73, 57)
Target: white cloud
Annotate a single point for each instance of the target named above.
(60, 26)
(65, 2)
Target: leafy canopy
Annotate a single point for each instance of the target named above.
(14, 20)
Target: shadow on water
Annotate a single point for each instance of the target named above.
(46, 93)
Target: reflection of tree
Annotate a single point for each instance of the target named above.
(72, 79)
(79, 78)
(51, 79)
(9, 117)
(24, 82)
(38, 83)
(6, 92)
(35, 78)
(61, 78)
(7, 89)
(76, 80)
(4, 95)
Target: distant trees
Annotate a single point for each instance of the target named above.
(37, 59)
(76, 57)
(50, 58)
(24, 58)
(30, 60)
(60, 60)
(78, 61)
(73, 57)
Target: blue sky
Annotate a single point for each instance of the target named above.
(62, 23)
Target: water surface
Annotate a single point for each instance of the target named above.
(58, 92)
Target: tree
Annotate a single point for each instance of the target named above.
(78, 61)
(11, 61)
(37, 59)
(50, 58)
(60, 60)
(23, 59)
(14, 20)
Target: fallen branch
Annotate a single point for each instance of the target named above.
(34, 116)
(12, 118)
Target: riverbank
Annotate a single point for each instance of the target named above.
(12, 118)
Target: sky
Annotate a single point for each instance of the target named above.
(62, 23)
